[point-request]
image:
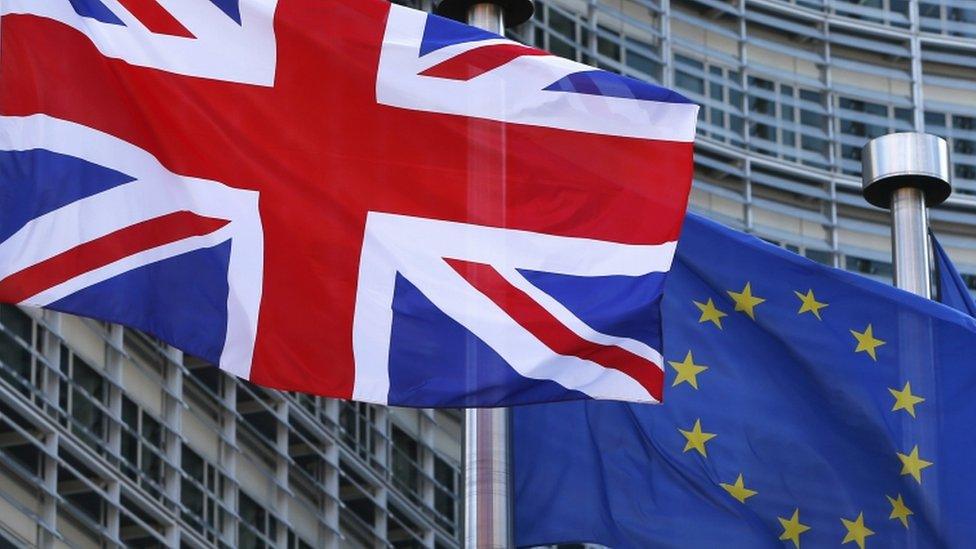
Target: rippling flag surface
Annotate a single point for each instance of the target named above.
(951, 289)
(807, 407)
(344, 198)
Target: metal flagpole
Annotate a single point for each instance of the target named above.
(907, 172)
(487, 479)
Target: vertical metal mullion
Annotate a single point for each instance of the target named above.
(228, 456)
(833, 130)
(748, 215)
(282, 496)
(52, 390)
(113, 370)
(172, 441)
(49, 505)
(667, 75)
(381, 453)
(328, 533)
(427, 424)
(918, 98)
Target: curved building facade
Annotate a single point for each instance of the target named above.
(109, 438)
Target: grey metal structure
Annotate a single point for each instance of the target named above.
(487, 504)
(109, 438)
(487, 479)
(907, 172)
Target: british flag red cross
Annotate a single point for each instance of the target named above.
(347, 198)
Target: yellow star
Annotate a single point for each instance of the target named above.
(738, 490)
(710, 313)
(745, 301)
(687, 371)
(905, 400)
(899, 510)
(792, 528)
(856, 531)
(809, 303)
(866, 342)
(913, 465)
(696, 438)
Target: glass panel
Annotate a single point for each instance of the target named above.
(935, 119)
(688, 82)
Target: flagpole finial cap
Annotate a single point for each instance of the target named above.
(516, 11)
(906, 159)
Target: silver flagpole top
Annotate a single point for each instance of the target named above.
(908, 159)
(905, 173)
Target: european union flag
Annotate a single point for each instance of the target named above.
(804, 405)
(952, 289)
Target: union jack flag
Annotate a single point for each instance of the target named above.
(351, 199)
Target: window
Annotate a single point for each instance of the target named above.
(607, 46)
(762, 106)
(826, 258)
(562, 48)
(963, 122)
(295, 542)
(964, 171)
(964, 146)
(814, 144)
(689, 83)
(761, 83)
(638, 57)
(812, 96)
(861, 121)
(960, 131)
(405, 454)
(445, 490)
(15, 357)
(199, 493)
(763, 131)
(142, 442)
(561, 24)
(356, 420)
(789, 117)
(881, 269)
(853, 153)
(257, 529)
(934, 119)
(720, 117)
(812, 119)
(970, 280)
(83, 394)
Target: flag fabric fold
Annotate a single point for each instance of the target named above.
(806, 406)
(351, 199)
(951, 289)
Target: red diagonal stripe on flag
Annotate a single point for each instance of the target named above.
(156, 18)
(478, 61)
(554, 334)
(105, 250)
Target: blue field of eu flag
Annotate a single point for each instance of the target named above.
(804, 406)
(952, 289)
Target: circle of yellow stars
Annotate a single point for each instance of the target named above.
(696, 438)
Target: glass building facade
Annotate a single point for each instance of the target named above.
(110, 438)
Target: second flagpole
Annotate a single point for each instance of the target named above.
(487, 475)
